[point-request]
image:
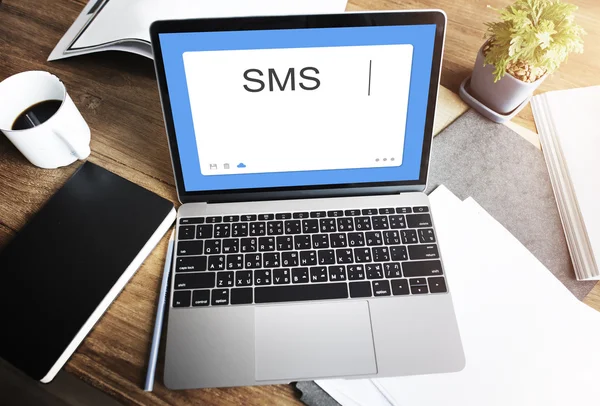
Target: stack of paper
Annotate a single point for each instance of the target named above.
(568, 125)
(527, 339)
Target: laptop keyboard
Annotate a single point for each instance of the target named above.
(287, 257)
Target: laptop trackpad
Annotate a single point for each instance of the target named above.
(307, 341)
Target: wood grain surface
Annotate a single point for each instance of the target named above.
(117, 95)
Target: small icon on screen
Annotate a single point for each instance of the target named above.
(241, 165)
(213, 167)
(225, 166)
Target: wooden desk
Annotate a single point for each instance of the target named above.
(118, 97)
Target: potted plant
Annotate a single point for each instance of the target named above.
(531, 40)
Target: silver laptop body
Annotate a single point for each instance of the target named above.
(286, 283)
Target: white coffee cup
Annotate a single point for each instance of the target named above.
(58, 141)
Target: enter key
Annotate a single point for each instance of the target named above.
(426, 251)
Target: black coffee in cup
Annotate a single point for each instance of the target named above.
(36, 114)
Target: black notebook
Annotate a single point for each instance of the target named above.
(60, 273)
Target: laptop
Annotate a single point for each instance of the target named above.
(305, 244)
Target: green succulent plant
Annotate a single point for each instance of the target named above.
(532, 38)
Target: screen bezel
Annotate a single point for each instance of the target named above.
(359, 19)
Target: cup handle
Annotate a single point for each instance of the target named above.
(78, 149)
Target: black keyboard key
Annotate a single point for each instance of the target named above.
(230, 246)
(356, 272)
(318, 274)
(248, 217)
(356, 239)
(310, 226)
(293, 293)
(235, 261)
(266, 244)
(369, 212)
(398, 253)
(204, 231)
(399, 287)
(362, 223)
(302, 242)
(275, 228)
(200, 297)
(266, 217)
(271, 260)
(281, 276)
(417, 281)
(212, 247)
(283, 216)
(428, 251)
(189, 247)
(239, 230)
(200, 280)
(381, 288)
(293, 227)
(420, 209)
(299, 275)
(387, 210)
(418, 220)
(335, 213)
(374, 238)
(422, 268)
(243, 278)
(391, 237)
(345, 224)
(253, 261)
(191, 264)
(216, 262)
(380, 222)
(362, 255)
(326, 257)
(397, 221)
(317, 214)
(285, 243)
(230, 219)
(338, 240)
(360, 289)
(320, 241)
(222, 230)
(426, 235)
(392, 270)
(380, 254)
(241, 296)
(214, 219)
(327, 225)
(186, 232)
(249, 244)
(192, 220)
(220, 297)
(344, 256)
(374, 271)
(182, 299)
(403, 210)
(437, 284)
(289, 258)
(337, 273)
(301, 215)
(258, 228)
(308, 258)
(418, 290)
(409, 236)
(224, 279)
(355, 212)
(262, 277)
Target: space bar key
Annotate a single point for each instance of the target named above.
(293, 293)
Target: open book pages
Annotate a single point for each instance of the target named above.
(123, 25)
(567, 121)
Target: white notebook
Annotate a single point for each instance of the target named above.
(569, 128)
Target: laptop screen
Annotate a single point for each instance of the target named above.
(299, 107)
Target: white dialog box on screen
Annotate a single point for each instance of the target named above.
(299, 109)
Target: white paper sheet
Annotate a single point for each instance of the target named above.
(527, 339)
